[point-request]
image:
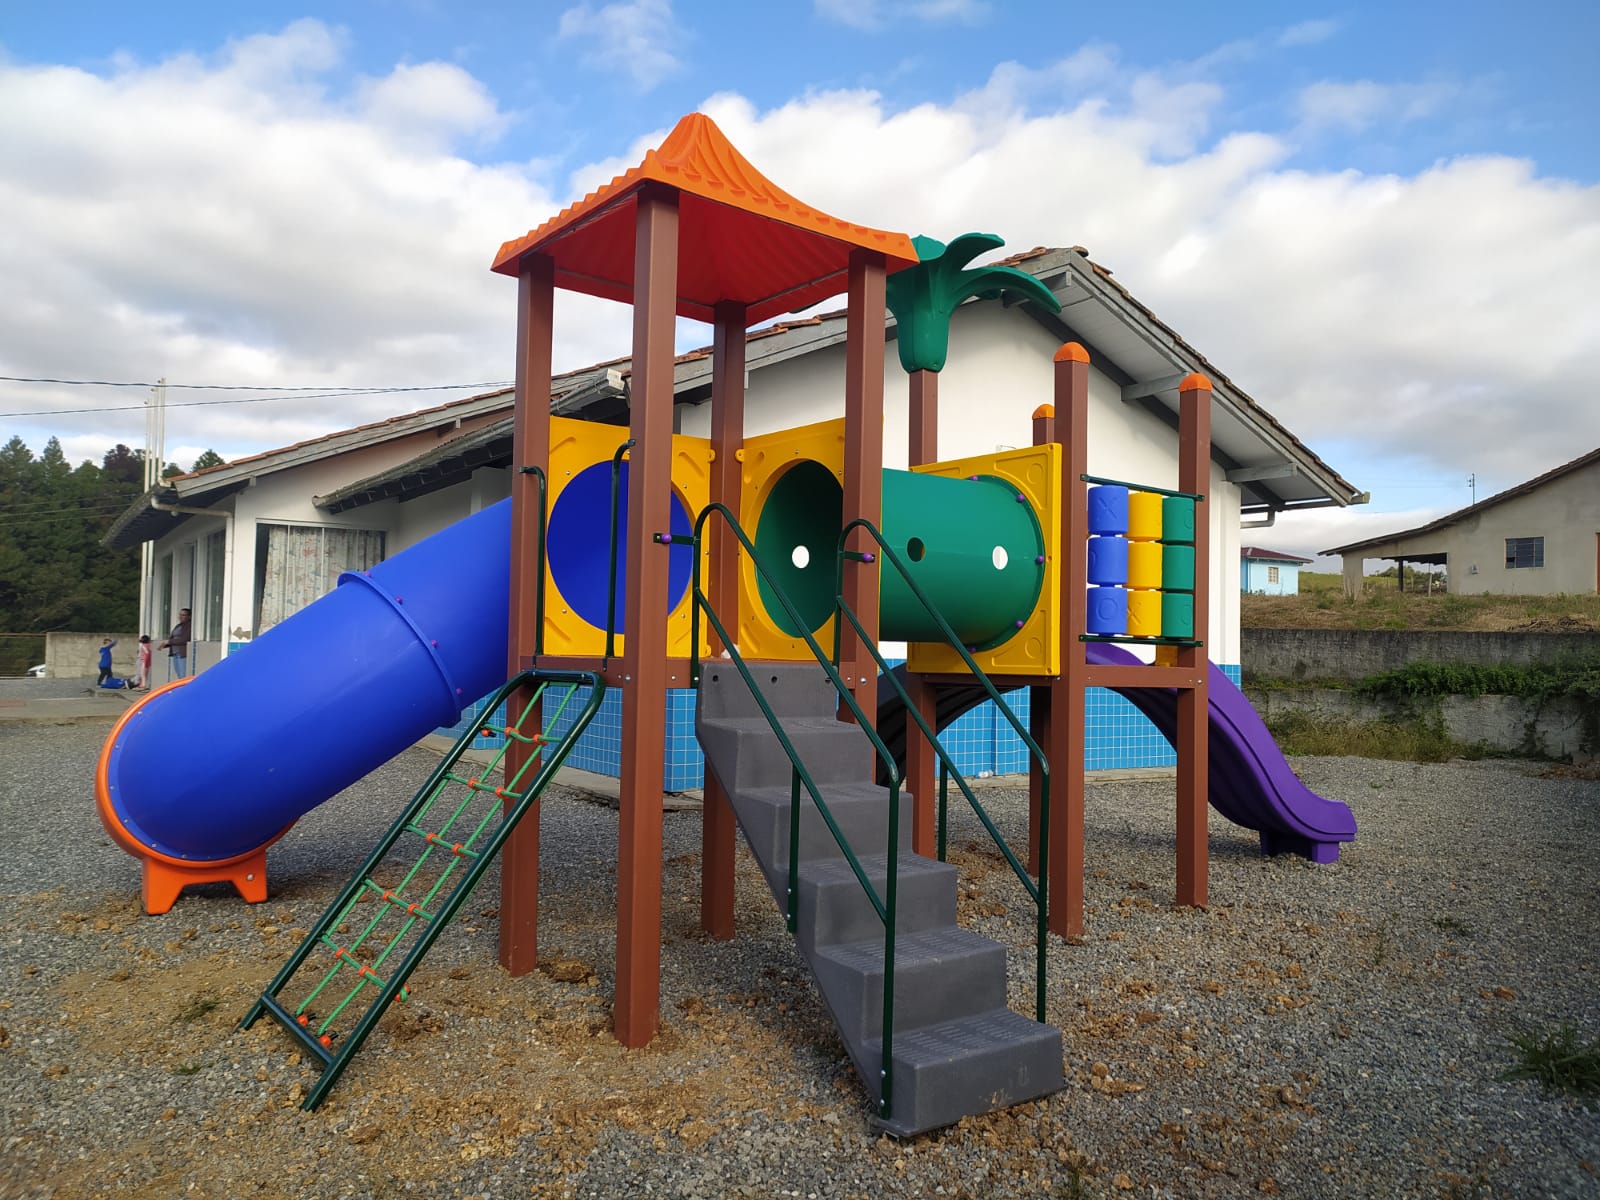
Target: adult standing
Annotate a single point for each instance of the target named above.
(177, 645)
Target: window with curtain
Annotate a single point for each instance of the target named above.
(295, 564)
(216, 558)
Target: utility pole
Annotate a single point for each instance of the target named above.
(1472, 482)
(155, 438)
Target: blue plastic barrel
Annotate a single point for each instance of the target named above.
(1108, 509)
(1108, 561)
(218, 767)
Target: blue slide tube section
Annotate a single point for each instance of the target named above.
(221, 765)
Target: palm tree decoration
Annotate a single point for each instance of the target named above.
(923, 298)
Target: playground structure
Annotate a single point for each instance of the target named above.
(640, 560)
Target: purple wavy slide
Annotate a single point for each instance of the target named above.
(1250, 782)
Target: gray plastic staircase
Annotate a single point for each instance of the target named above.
(957, 1048)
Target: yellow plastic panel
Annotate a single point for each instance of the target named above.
(765, 461)
(1035, 471)
(576, 446)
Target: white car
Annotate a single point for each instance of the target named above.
(39, 672)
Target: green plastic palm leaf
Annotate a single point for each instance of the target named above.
(923, 298)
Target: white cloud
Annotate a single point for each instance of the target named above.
(1355, 107)
(1446, 312)
(635, 38)
(236, 221)
(876, 15)
(217, 221)
(1308, 33)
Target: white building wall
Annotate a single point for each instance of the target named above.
(285, 497)
(999, 371)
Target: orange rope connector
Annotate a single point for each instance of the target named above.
(303, 1019)
(434, 840)
(325, 1040)
(501, 792)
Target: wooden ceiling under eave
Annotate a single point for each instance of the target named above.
(740, 237)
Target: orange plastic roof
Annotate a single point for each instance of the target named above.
(740, 237)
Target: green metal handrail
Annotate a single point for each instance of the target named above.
(1039, 892)
(885, 905)
(611, 554)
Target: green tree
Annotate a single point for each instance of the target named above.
(208, 458)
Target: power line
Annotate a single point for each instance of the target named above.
(241, 387)
(312, 395)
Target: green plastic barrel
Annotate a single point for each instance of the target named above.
(974, 546)
(1177, 614)
(1177, 519)
(1177, 568)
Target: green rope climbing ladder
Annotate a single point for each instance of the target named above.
(370, 940)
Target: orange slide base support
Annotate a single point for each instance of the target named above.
(163, 880)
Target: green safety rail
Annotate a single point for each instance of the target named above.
(1038, 891)
(448, 836)
(883, 904)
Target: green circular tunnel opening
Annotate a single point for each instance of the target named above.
(797, 537)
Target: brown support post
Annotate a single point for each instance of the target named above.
(1044, 432)
(922, 399)
(636, 1008)
(923, 411)
(519, 858)
(1194, 703)
(1068, 700)
(863, 461)
(717, 834)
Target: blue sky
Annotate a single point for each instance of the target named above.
(1382, 221)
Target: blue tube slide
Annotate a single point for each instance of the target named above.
(220, 766)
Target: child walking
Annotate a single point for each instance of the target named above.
(142, 680)
(105, 660)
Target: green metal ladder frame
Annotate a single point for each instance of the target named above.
(418, 915)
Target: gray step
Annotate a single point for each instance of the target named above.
(748, 754)
(791, 689)
(941, 1073)
(834, 908)
(861, 810)
(939, 975)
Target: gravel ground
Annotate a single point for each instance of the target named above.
(1317, 1031)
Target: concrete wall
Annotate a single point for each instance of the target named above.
(1352, 654)
(77, 655)
(1564, 728)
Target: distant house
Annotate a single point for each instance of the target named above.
(1539, 538)
(1269, 572)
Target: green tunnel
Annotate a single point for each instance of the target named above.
(974, 547)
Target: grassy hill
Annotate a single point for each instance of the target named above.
(1322, 604)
